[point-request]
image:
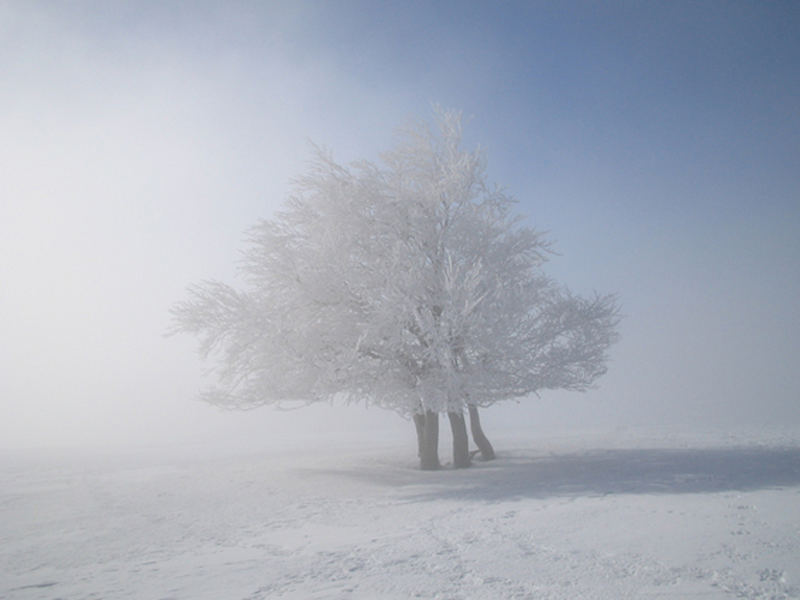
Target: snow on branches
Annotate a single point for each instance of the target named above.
(407, 284)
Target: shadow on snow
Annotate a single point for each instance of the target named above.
(597, 473)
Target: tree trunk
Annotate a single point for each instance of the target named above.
(481, 441)
(419, 425)
(460, 440)
(429, 457)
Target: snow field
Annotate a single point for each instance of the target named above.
(548, 523)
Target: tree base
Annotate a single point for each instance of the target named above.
(481, 441)
(429, 448)
(461, 456)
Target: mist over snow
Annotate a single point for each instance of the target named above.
(554, 520)
(657, 145)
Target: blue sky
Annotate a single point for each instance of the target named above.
(659, 143)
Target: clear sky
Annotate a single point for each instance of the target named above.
(659, 143)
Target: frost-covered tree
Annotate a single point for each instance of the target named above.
(407, 284)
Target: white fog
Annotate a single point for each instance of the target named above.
(656, 145)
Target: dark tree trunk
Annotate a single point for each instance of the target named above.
(460, 440)
(419, 425)
(429, 458)
(481, 441)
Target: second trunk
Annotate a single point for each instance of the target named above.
(460, 440)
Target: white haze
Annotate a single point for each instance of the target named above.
(134, 155)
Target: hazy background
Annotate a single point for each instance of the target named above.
(658, 143)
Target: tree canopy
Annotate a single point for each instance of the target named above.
(408, 283)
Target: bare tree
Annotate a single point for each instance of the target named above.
(407, 284)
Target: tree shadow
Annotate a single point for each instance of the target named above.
(598, 473)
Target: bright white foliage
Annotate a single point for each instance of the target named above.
(407, 284)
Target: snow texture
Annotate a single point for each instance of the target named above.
(558, 522)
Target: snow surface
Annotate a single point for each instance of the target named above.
(558, 519)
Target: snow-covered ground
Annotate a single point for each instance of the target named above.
(570, 518)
